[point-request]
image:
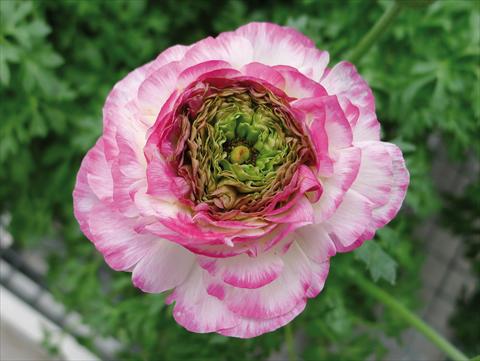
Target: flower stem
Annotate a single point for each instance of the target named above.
(375, 32)
(411, 318)
(292, 356)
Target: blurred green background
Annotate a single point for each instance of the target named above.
(59, 60)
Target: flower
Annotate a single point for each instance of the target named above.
(231, 170)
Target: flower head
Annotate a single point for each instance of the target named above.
(231, 170)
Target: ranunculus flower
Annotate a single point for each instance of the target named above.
(231, 170)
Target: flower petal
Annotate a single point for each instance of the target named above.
(349, 221)
(249, 327)
(115, 237)
(164, 267)
(196, 310)
(243, 271)
(316, 243)
(344, 81)
(264, 72)
(297, 85)
(375, 175)
(229, 47)
(277, 45)
(345, 171)
(278, 297)
(401, 178)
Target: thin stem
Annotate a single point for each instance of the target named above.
(292, 356)
(395, 306)
(375, 32)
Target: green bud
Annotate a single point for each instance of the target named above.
(240, 154)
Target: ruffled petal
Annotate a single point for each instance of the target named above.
(128, 171)
(277, 45)
(316, 243)
(156, 89)
(243, 271)
(163, 181)
(164, 267)
(99, 175)
(346, 166)
(344, 81)
(349, 221)
(115, 237)
(299, 86)
(401, 178)
(172, 54)
(319, 247)
(229, 47)
(249, 327)
(196, 310)
(192, 73)
(278, 297)
(264, 72)
(375, 176)
(327, 123)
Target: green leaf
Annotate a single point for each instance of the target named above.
(378, 262)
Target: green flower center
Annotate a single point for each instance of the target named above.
(240, 154)
(244, 147)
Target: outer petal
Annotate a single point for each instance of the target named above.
(375, 176)
(94, 182)
(120, 108)
(325, 112)
(98, 172)
(346, 168)
(229, 47)
(154, 91)
(264, 72)
(276, 298)
(115, 237)
(196, 310)
(319, 277)
(249, 327)
(244, 271)
(344, 81)
(349, 221)
(301, 213)
(171, 54)
(276, 45)
(401, 178)
(163, 181)
(165, 266)
(316, 243)
(298, 85)
(128, 171)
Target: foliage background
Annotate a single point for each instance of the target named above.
(58, 61)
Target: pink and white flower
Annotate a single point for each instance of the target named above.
(231, 170)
